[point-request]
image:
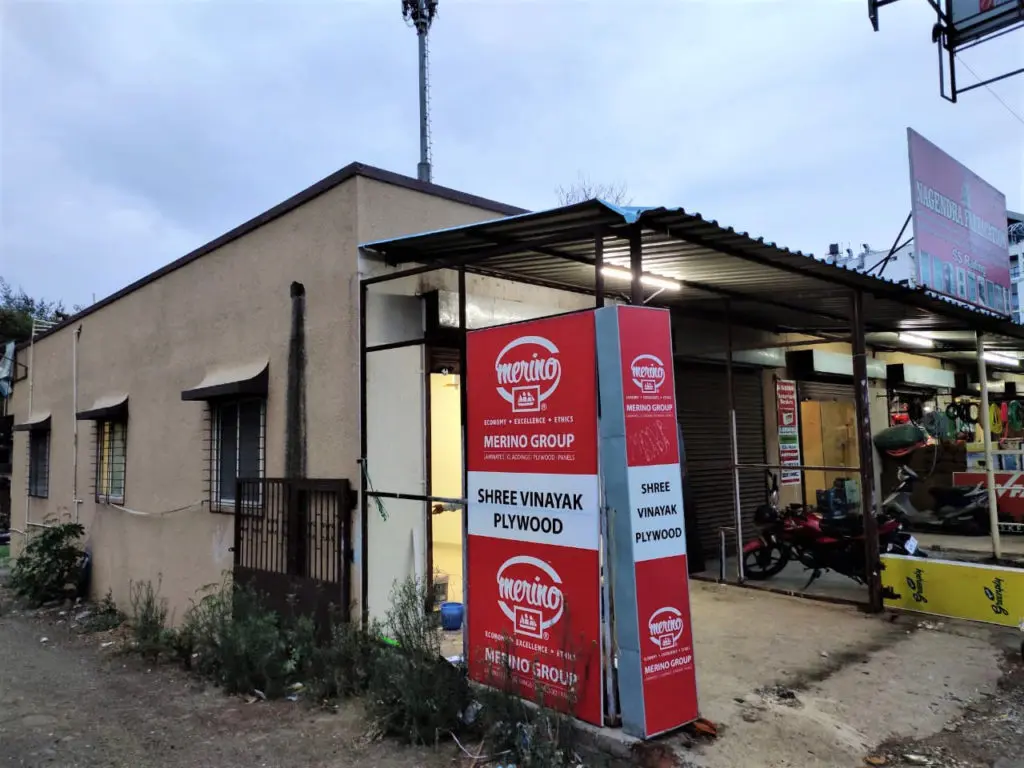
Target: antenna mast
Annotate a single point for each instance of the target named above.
(420, 15)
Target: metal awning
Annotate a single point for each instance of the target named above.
(106, 408)
(767, 286)
(36, 422)
(250, 379)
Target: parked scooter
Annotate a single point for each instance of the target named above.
(819, 543)
(957, 510)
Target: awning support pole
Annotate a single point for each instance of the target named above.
(872, 563)
(734, 450)
(364, 517)
(990, 472)
(599, 270)
(636, 265)
(465, 447)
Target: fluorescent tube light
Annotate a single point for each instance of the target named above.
(916, 339)
(1001, 359)
(649, 280)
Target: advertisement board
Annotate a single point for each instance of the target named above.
(960, 240)
(787, 409)
(534, 612)
(971, 19)
(1009, 491)
(643, 492)
(969, 591)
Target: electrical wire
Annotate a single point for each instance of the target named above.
(193, 505)
(1015, 415)
(988, 87)
(369, 489)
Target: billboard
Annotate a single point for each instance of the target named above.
(644, 495)
(972, 19)
(960, 241)
(533, 536)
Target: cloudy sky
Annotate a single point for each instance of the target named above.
(133, 132)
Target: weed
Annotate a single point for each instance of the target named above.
(149, 620)
(343, 666)
(413, 693)
(51, 565)
(105, 617)
(232, 638)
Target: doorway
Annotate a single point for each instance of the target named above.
(828, 431)
(446, 481)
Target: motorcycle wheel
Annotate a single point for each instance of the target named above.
(766, 562)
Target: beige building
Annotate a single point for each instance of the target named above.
(242, 360)
(182, 379)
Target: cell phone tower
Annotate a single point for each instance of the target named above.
(420, 14)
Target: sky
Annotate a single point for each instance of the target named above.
(133, 132)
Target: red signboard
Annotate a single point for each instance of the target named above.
(534, 609)
(1009, 491)
(654, 480)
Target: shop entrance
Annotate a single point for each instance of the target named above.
(445, 481)
(828, 438)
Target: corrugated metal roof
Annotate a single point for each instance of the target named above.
(768, 286)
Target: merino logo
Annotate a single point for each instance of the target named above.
(665, 627)
(648, 373)
(530, 595)
(528, 371)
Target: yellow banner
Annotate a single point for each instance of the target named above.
(959, 590)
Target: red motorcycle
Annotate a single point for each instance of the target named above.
(819, 543)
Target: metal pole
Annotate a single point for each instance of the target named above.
(990, 472)
(364, 517)
(599, 271)
(734, 449)
(463, 381)
(873, 566)
(423, 169)
(636, 266)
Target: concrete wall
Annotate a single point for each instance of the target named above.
(229, 307)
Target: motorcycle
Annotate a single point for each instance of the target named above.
(963, 510)
(819, 543)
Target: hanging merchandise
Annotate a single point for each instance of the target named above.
(995, 419)
(1015, 416)
(965, 411)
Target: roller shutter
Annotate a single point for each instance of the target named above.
(704, 418)
(824, 391)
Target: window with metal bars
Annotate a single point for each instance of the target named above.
(39, 463)
(238, 430)
(111, 453)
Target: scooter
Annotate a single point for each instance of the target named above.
(960, 510)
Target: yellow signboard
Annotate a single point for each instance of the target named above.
(970, 591)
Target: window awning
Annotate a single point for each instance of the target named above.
(106, 408)
(36, 422)
(249, 379)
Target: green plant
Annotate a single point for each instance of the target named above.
(51, 565)
(149, 620)
(343, 666)
(231, 637)
(413, 693)
(105, 617)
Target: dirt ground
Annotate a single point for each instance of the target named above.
(66, 702)
(798, 683)
(790, 682)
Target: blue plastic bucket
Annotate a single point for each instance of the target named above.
(451, 616)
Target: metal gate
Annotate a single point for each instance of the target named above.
(293, 545)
